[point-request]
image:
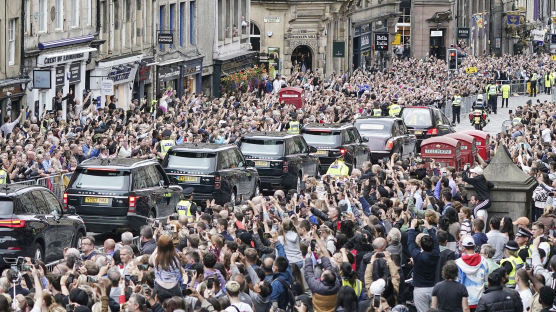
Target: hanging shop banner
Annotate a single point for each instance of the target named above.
(463, 33)
(60, 75)
(74, 75)
(338, 49)
(513, 18)
(165, 37)
(381, 41)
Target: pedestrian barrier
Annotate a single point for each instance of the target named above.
(466, 107)
(56, 183)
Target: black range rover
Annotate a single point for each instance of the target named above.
(281, 159)
(33, 224)
(337, 140)
(121, 193)
(213, 171)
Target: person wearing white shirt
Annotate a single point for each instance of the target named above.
(276, 84)
(546, 134)
(522, 281)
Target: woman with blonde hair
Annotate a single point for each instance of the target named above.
(167, 270)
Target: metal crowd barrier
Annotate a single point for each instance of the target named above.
(56, 183)
(466, 107)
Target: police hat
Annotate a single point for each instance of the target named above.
(188, 191)
(166, 133)
(512, 245)
(523, 232)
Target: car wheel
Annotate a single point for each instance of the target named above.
(38, 252)
(77, 240)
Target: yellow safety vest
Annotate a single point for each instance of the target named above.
(358, 287)
(517, 263)
(394, 110)
(165, 146)
(553, 79)
(534, 78)
(377, 112)
(153, 104)
(3, 176)
(547, 81)
(456, 101)
(492, 90)
(338, 169)
(294, 127)
(505, 91)
(184, 209)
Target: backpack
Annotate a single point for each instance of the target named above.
(290, 297)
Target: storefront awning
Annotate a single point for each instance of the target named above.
(120, 60)
(67, 56)
(169, 62)
(65, 42)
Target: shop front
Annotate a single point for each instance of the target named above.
(58, 71)
(362, 46)
(192, 76)
(120, 73)
(142, 88)
(11, 97)
(168, 75)
(230, 65)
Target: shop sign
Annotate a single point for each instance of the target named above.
(120, 73)
(463, 33)
(338, 49)
(74, 75)
(381, 41)
(44, 60)
(191, 70)
(168, 73)
(365, 41)
(144, 72)
(436, 33)
(14, 89)
(60, 75)
(313, 36)
(165, 37)
(107, 87)
(272, 19)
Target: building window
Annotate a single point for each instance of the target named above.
(124, 20)
(172, 11)
(89, 8)
(161, 22)
(182, 22)
(75, 13)
(221, 21)
(42, 15)
(11, 41)
(192, 22)
(59, 14)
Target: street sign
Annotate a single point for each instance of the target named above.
(338, 49)
(463, 33)
(381, 41)
(471, 70)
(165, 37)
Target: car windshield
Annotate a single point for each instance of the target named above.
(102, 178)
(315, 137)
(372, 127)
(417, 117)
(262, 147)
(191, 161)
(6, 207)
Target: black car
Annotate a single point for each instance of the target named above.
(426, 122)
(214, 171)
(281, 159)
(386, 135)
(33, 224)
(337, 140)
(120, 193)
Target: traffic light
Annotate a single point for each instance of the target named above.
(452, 59)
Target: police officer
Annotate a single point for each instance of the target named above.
(186, 207)
(165, 144)
(338, 168)
(492, 90)
(377, 112)
(523, 239)
(394, 109)
(505, 89)
(293, 126)
(533, 88)
(547, 84)
(517, 119)
(456, 107)
(512, 262)
(4, 176)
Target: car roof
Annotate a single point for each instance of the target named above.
(332, 126)
(382, 118)
(269, 134)
(423, 107)
(202, 147)
(122, 163)
(11, 190)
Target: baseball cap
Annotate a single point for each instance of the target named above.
(511, 245)
(468, 242)
(523, 221)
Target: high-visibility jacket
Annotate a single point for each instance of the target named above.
(377, 112)
(534, 77)
(338, 169)
(505, 91)
(394, 110)
(529, 249)
(184, 209)
(3, 176)
(516, 121)
(294, 127)
(165, 146)
(358, 287)
(553, 79)
(492, 90)
(456, 101)
(517, 264)
(547, 81)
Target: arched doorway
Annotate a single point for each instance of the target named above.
(302, 58)
(254, 37)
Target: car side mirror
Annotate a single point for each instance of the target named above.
(249, 163)
(365, 139)
(312, 149)
(71, 210)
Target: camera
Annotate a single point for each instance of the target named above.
(127, 278)
(210, 282)
(174, 217)
(376, 301)
(528, 262)
(70, 279)
(190, 273)
(313, 244)
(92, 279)
(156, 223)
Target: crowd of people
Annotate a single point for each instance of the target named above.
(393, 236)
